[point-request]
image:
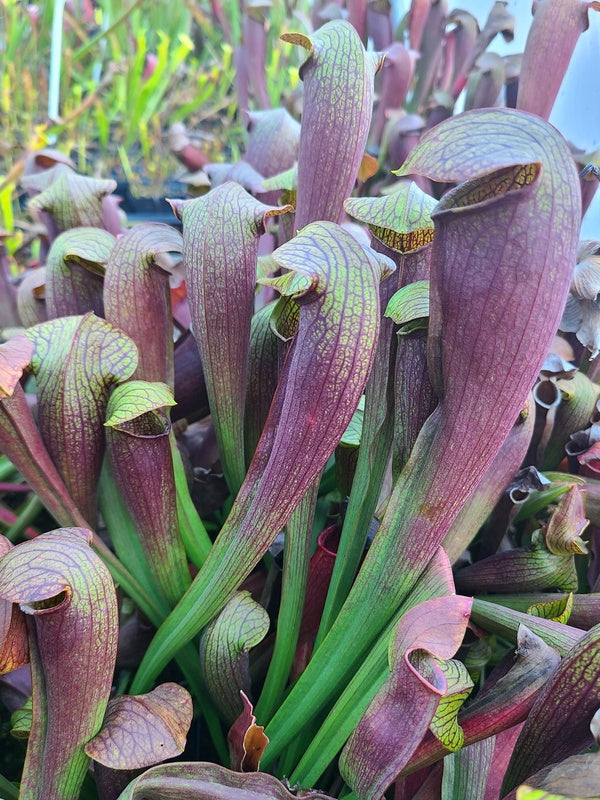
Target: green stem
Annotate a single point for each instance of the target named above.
(8, 789)
(366, 487)
(373, 603)
(28, 514)
(196, 540)
(188, 662)
(125, 539)
(345, 714)
(132, 588)
(91, 43)
(298, 545)
(505, 622)
(7, 469)
(146, 595)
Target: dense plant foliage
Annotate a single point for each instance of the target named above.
(311, 472)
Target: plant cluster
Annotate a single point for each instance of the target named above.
(320, 463)
(106, 82)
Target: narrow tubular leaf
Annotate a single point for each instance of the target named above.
(555, 29)
(139, 452)
(506, 240)
(31, 302)
(323, 378)
(75, 272)
(263, 374)
(338, 77)
(21, 441)
(466, 772)
(414, 396)
(76, 360)
(578, 396)
(137, 298)
(221, 232)
(506, 621)
(70, 597)
(583, 609)
(567, 523)
(272, 141)
(20, 438)
(295, 582)
(493, 484)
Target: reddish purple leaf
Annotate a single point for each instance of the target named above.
(492, 486)
(556, 27)
(205, 781)
(136, 295)
(20, 438)
(504, 702)
(76, 360)
(319, 576)
(75, 272)
(519, 569)
(460, 41)
(273, 140)
(417, 17)
(485, 82)
(431, 34)
(221, 233)
(396, 76)
(139, 451)
(520, 200)
(338, 77)
(382, 743)
(254, 49)
(143, 730)
(69, 597)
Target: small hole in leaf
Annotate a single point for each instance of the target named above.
(47, 603)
